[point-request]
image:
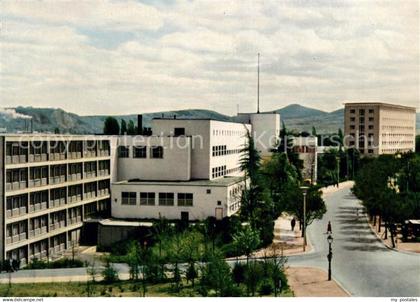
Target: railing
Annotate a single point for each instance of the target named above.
(103, 172)
(74, 177)
(38, 182)
(57, 179)
(75, 198)
(11, 186)
(37, 157)
(57, 156)
(89, 174)
(103, 153)
(75, 155)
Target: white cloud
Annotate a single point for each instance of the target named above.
(202, 54)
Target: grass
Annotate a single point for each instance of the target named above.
(117, 289)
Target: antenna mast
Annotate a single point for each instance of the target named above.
(258, 85)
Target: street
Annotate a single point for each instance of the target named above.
(360, 263)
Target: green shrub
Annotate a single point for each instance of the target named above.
(266, 289)
(109, 274)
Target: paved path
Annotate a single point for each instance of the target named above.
(361, 263)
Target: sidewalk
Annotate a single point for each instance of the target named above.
(286, 242)
(332, 189)
(312, 282)
(413, 247)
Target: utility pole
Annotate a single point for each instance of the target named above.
(258, 84)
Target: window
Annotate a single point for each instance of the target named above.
(370, 127)
(157, 152)
(123, 152)
(370, 151)
(208, 191)
(185, 199)
(371, 119)
(352, 111)
(128, 198)
(352, 119)
(147, 198)
(219, 203)
(362, 111)
(179, 131)
(139, 152)
(371, 111)
(166, 199)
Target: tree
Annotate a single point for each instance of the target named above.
(314, 131)
(131, 129)
(123, 127)
(111, 126)
(217, 275)
(246, 241)
(417, 144)
(315, 205)
(134, 259)
(57, 130)
(110, 274)
(191, 274)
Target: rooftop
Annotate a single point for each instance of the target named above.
(379, 104)
(195, 119)
(219, 182)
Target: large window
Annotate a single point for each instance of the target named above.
(166, 199)
(185, 199)
(123, 152)
(128, 198)
(139, 152)
(179, 131)
(157, 152)
(147, 198)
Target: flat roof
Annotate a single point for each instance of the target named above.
(219, 182)
(117, 222)
(380, 104)
(196, 119)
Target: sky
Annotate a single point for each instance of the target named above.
(123, 57)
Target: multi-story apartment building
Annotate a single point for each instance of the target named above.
(379, 128)
(49, 184)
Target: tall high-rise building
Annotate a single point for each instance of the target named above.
(379, 128)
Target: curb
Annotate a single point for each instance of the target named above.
(394, 249)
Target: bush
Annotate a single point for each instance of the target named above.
(238, 273)
(266, 289)
(61, 263)
(109, 274)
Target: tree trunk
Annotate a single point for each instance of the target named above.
(374, 220)
(386, 231)
(392, 236)
(379, 224)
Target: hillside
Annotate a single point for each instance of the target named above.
(294, 116)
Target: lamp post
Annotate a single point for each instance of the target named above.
(304, 192)
(329, 256)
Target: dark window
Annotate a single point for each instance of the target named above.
(128, 198)
(352, 119)
(166, 199)
(371, 111)
(352, 111)
(139, 152)
(208, 191)
(179, 131)
(185, 199)
(362, 111)
(147, 198)
(370, 127)
(157, 152)
(123, 152)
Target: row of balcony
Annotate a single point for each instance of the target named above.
(43, 230)
(43, 157)
(39, 182)
(16, 212)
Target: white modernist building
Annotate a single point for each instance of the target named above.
(265, 130)
(188, 169)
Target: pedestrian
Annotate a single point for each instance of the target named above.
(329, 229)
(293, 223)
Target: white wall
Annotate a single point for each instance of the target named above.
(265, 131)
(175, 164)
(204, 204)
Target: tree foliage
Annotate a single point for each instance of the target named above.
(111, 126)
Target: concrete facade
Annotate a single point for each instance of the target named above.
(152, 200)
(49, 185)
(379, 128)
(265, 130)
(307, 148)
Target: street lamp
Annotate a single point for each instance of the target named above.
(304, 192)
(329, 256)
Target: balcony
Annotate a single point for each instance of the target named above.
(57, 156)
(103, 172)
(37, 207)
(15, 159)
(89, 195)
(16, 212)
(38, 182)
(89, 175)
(74, 220)
(75, 198)
(57, 179)
(103, 153)
(57, 202)
(37, 157)
(103, 192)
(37, 232)
(17, 185)
(74, 177)
(90, 153)
(16, 238)
(75, 155)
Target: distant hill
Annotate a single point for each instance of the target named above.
(294, 116)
